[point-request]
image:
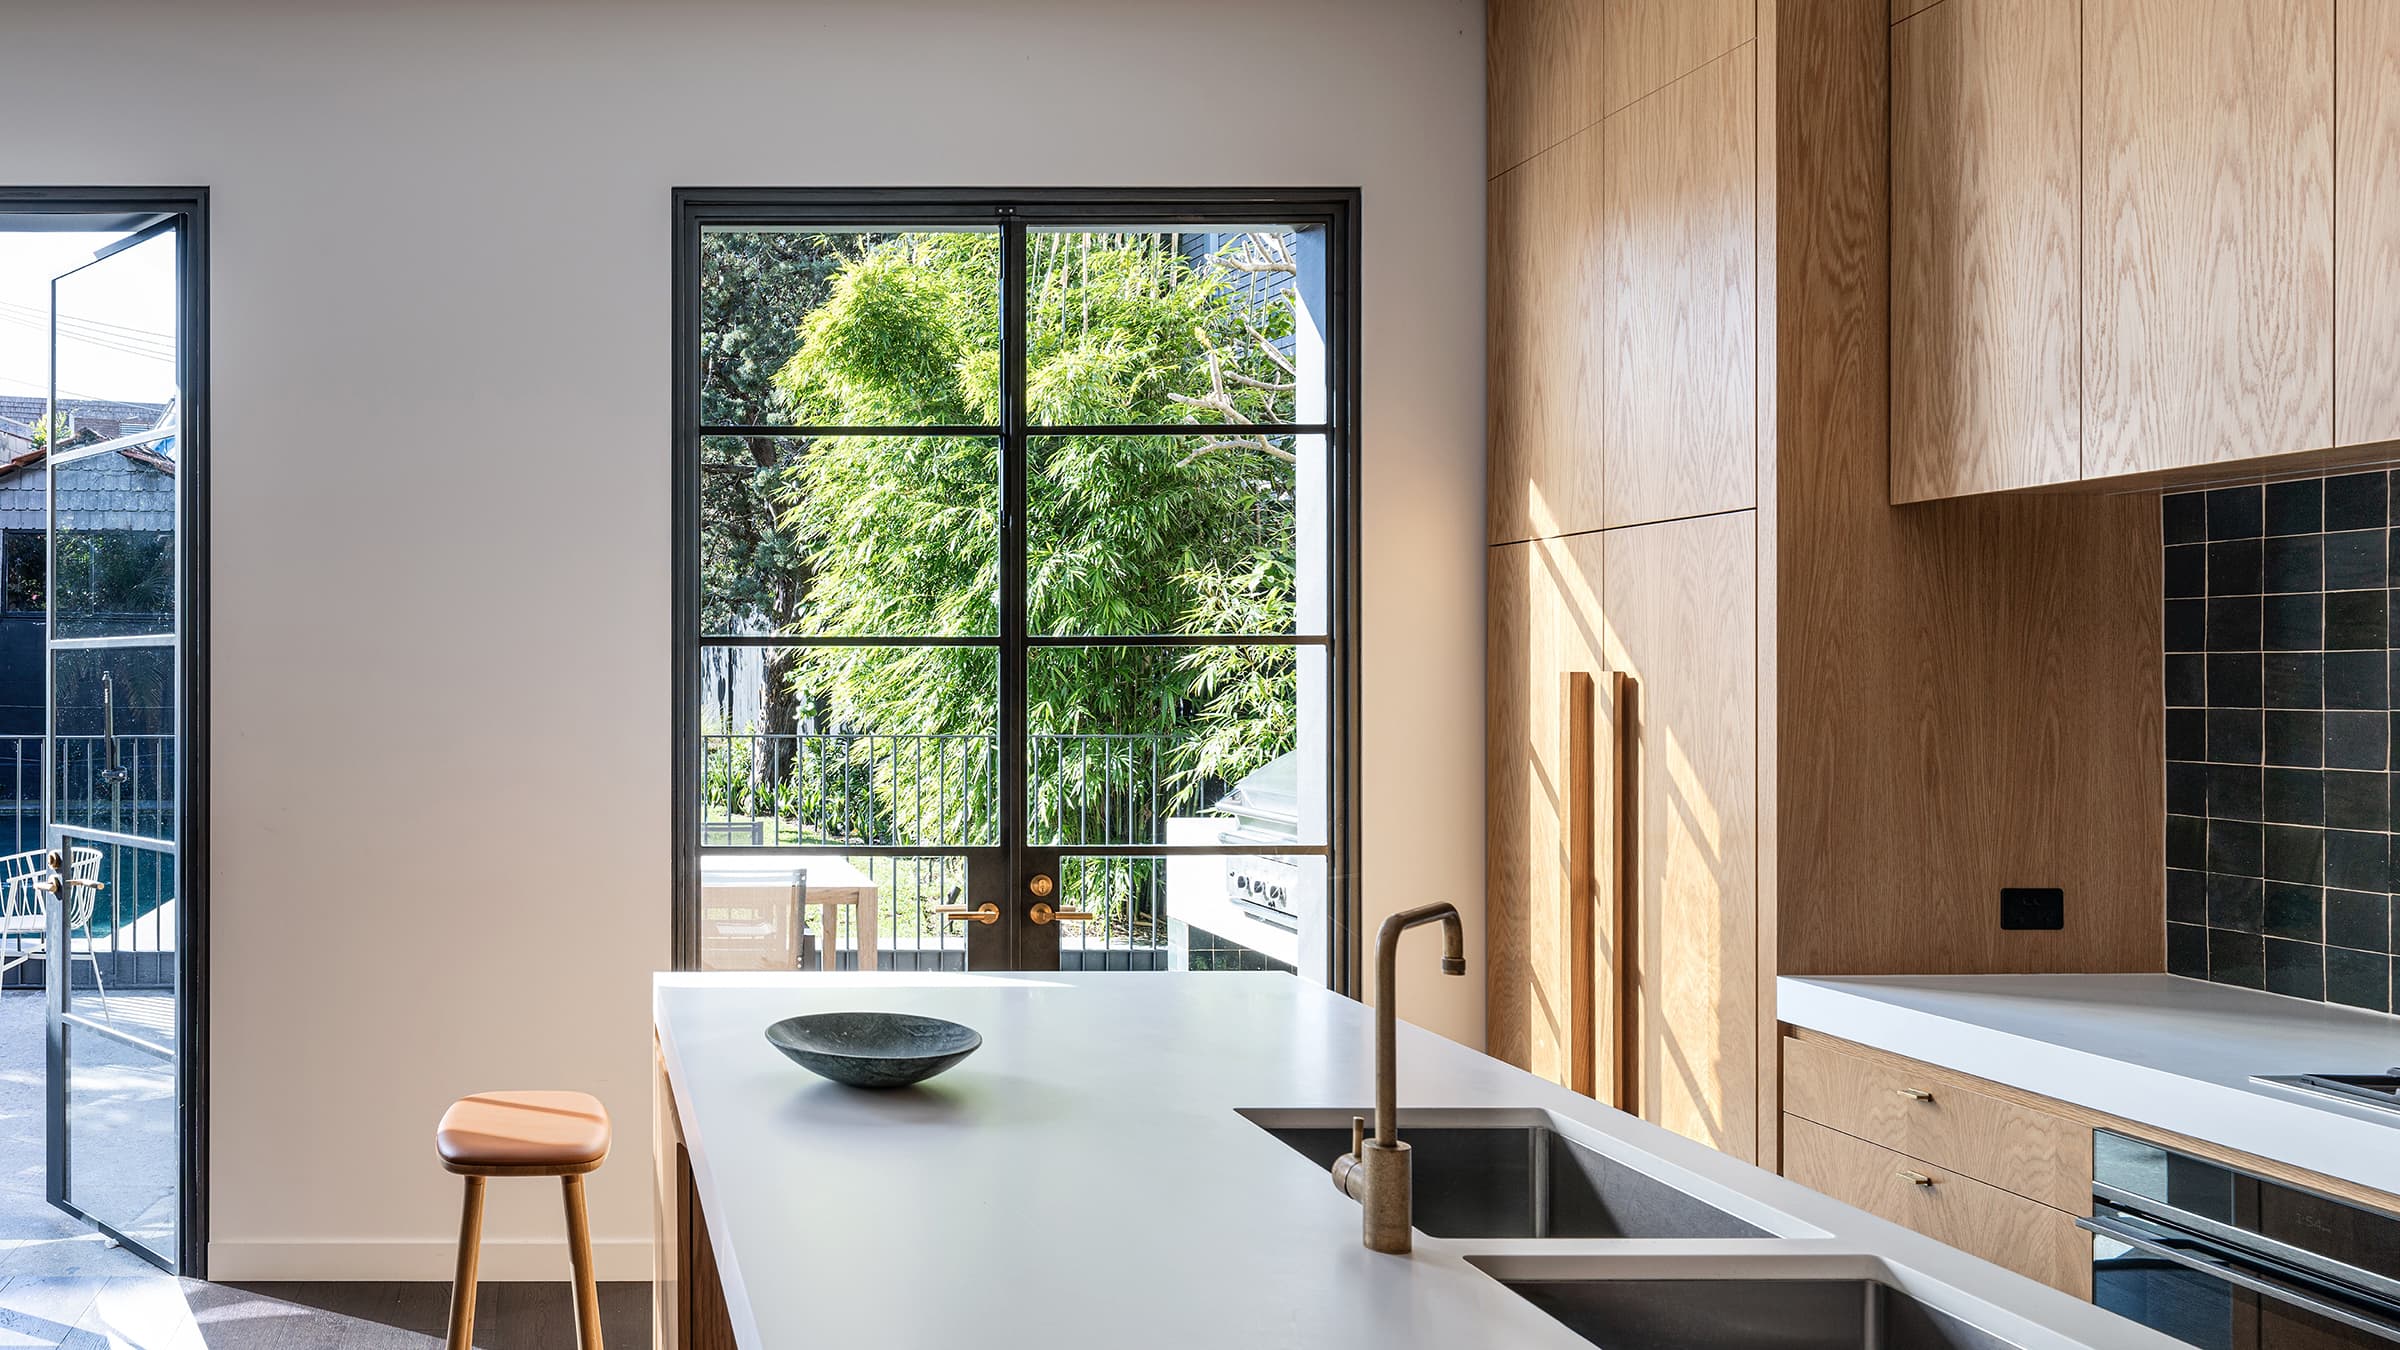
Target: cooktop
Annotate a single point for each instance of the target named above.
(2366, 1089)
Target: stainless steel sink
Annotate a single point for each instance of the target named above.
(1522, 1181)
(1758, 1314)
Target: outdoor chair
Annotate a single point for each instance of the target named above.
(25, 879)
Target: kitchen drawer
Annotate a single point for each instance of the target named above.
(2004, 1228)
(1929, 1114)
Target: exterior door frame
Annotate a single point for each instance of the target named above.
(133, 208)
(1014, 942)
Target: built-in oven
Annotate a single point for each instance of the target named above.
(2225, 1260)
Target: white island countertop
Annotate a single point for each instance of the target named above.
(1087, 1179)
(2164, 1051)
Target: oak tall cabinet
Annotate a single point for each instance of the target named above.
(1745, 716)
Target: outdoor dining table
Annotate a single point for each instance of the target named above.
(750, 909)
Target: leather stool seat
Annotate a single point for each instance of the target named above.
(523, 1134)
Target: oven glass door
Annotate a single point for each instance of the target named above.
(2206, 1295)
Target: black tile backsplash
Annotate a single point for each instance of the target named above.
(2282, 606)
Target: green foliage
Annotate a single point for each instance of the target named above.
(898, 535)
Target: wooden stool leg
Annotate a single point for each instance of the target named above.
(470, 1249)
(579, 1250)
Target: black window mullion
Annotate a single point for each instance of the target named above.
(1014, 793)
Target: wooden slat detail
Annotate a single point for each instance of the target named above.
(1544, 622)
(2009, 1230)
(2035, 1153)
(2208, 231)
(1986, 233)
(1647, 45)
(1578, 893)
(2086, 1118)
(1541, 64)
(1680, 394)
(1545, 358)
(2366, 231)
(1681, 622)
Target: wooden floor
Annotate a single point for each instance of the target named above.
(157, 1312)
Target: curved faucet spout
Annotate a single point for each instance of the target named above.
(1387, 1000)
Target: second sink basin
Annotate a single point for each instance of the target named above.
(1523, 1181)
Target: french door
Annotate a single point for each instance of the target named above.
(115, 795)
(1014, 581)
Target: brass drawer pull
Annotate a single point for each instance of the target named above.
(1913, 1178)
(1914, 1094)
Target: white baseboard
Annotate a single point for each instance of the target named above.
(508, 1259)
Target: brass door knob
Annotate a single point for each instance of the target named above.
(1042, 913)
(1041, 885)
(987, 912)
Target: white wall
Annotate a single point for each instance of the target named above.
(441, 459)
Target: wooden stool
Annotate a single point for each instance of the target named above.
(524, 1134)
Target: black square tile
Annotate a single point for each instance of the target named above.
(2236, 566)
(2235, 792)
(2235, 902)
(2295, 968)
(2294, 911)
(2187, 625)
(2353, 561)
(2294, 739)
(2391, 554)
(2187, 896)
(2233, 736)
(2187, 788)
(2234, 678)
(2360, 920)
(2237, 958)
(2359, 860)
(2358, 979)
(2294, 853)
(2236, 850)
(2290, 796)
(2358, 801)
(2293, 563)
(2187, 733)
(2295, 679)
(2187, 843)
(2183, 517)
(2353, 740)
(2352, 679)
(2292, 508)
(2187, 951)
(2234, 513)
(2355, 501)
(2187, 571)
(2187, 680)
(2353, 620)
(2294, 623)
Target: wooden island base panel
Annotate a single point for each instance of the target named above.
(687, 1300)
(1995, 1171)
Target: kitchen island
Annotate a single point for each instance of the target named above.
(1088, 1178)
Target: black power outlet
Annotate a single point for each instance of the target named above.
(2033, 907)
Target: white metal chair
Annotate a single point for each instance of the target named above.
(24, 879)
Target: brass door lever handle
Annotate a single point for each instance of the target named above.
(987, 912)
(1041, 913)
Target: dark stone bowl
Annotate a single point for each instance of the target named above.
(873, 1049)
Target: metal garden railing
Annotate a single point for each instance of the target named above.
(131, 793)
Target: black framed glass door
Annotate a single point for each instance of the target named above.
(1014, 581)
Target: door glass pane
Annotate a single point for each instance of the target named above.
(113, 751)
(850, 536)
(1157, 535)
(849, 745)
(116, 332)
(1215, 325)
(1126, 741)
(1193, 912)
(112, 552)
(118, 1041)
(849, 327)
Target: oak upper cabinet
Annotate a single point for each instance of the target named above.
(1680, 429)
(2208, 239)
(1682, 623)
(1545, 349)
(1545, 814)
(2366, 231)
(1539, 62)
(1986, 236)
(1646, 45)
